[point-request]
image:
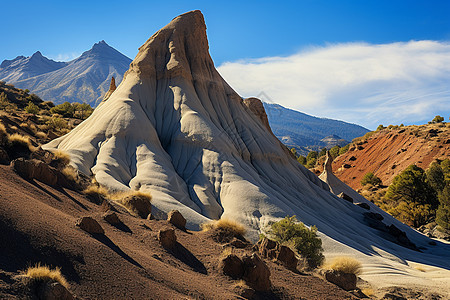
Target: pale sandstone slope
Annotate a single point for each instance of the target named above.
(176, 128)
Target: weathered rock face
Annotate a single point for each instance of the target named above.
(89, 225)
(271, 249)
(256, 106)
(141, 205)
(345, 281)
(232, 266)
(112, 218)
(112, 88)
(54, 291)
(35, 169)
(167, 238)
(256, 273)
(176, 218)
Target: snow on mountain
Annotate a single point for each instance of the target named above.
(84, 79)
(175, 128)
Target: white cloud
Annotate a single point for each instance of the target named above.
(64, 56)
(355, 82)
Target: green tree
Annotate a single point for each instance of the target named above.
(334, 152)
(344, 149)
(370, 178)
(301, 159)
(435, 177)
(294, 152)
(380, 127)
(415, 198)
(66, 110)
(445, 166)
(32, 108)
(305, 240)
(443, 211)
(84, 109)
(322, 152)
(438, 119)
(311, 155)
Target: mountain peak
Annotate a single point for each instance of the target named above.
(184, 37)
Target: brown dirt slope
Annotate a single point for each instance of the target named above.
(37, 224)
(388, 152)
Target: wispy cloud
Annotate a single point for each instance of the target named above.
(356, 82)
(64, 56)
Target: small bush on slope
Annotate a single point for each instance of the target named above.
(344, 264)
(61, 158)
(305, 240)
(227, 225)
(44, 273)
(370, 178)
(136, 202)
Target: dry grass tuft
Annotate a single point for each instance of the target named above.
(24, 125)
(62, 157)
(3, 134)
(44, 273)
(344, 264)
(226, 225)
(368, 292)
(227, 251)
(96, 193)
(138, 203)
(19, 142)
(41, 135)
(70, 173)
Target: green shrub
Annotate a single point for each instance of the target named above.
(412, 198)
(380, 127)
(305, 240)
(334, 152)
(344, 149)
(443, 211)
(32, 108)
(370, 178)
(435, 177)
(438, 119)
(57, 123)
(66, 110)
(301, 159)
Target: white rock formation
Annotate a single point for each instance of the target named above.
(175, 128)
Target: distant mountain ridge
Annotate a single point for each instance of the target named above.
(84, 79)
(304, 132)
(22, 67)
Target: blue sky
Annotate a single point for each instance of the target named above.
(236, 29)
(243, 34)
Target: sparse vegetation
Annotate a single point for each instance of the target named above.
(305, 240)
(61, 157)
(438, 119)
(32, 108)
(370, 178)
(344, 264)
(44, 273)
(413, 199)
(96, 192)
(138, 203)
(227, 225)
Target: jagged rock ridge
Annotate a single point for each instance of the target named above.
(175, 128)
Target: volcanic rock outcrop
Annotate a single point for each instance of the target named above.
(176, 129)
